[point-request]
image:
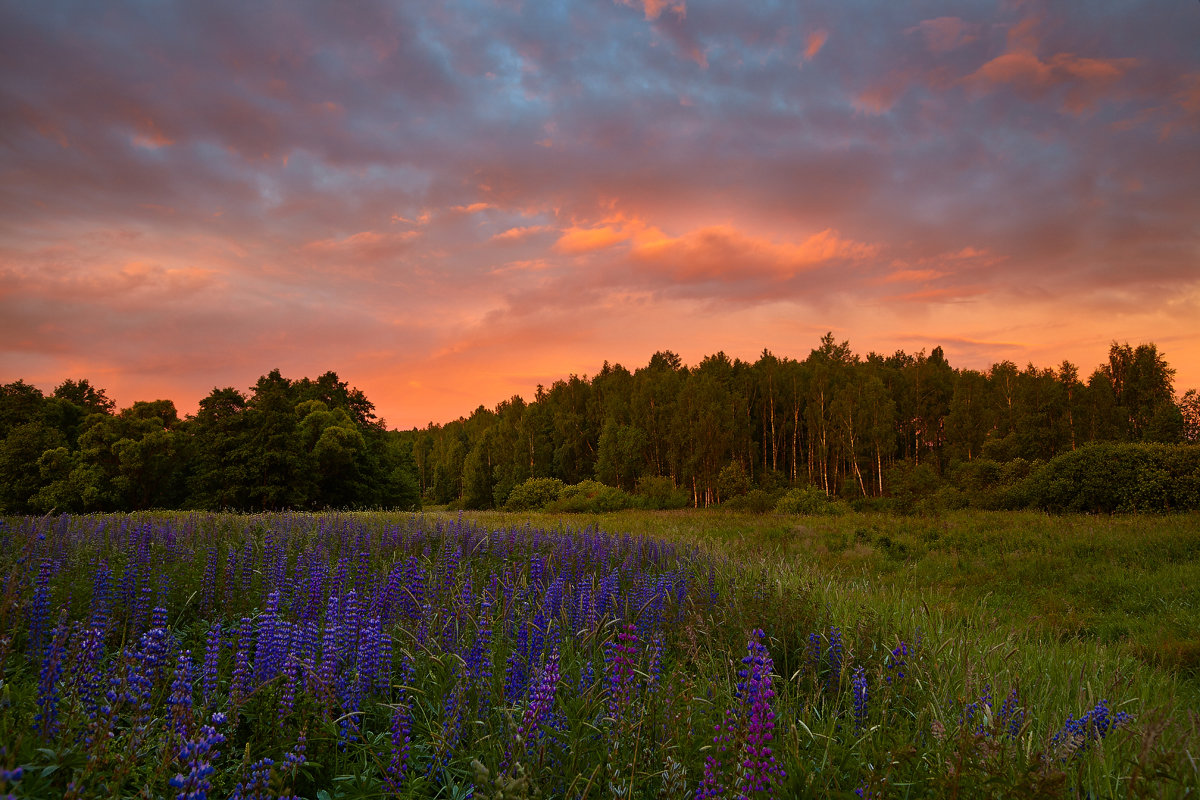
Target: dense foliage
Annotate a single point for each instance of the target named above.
(897, 426)
(903, 431)
(367, 656)
(305, 444)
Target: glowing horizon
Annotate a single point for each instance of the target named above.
(450, 205)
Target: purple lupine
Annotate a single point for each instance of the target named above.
(541, 700)
(397, 769)
(39, 609)
(197, 756)
(87, 669)
(858, 684)
(212, 655)
(45, 721)
(330, 655)
(257, 785)
(267, 658)
(239, 688)
(813, 653)
(179, 721)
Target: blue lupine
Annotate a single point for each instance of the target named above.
(1012, 716)
(835, 658)
(197, 756)
(1077, 735)
(897, 663)
(858, 684)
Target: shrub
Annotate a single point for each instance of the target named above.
(812, 501)
(534, 494)
(591, 497)
(756, 501)
(658, 492)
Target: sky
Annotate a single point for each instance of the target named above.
(451, 203)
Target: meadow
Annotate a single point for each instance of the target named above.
(677, 655)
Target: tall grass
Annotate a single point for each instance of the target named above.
(375, 655)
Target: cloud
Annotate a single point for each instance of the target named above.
(813, 44)
(363, 246)
(944, 34)
(1083, 81)
(724, 254)
(578, 241)
(519, 233)
(655, 8)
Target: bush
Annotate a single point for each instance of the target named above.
(812, 501)
(756, 501)
(591, 497)
(659, 493)
(534, 494)
(1107, 478)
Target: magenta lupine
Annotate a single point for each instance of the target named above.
(746, 735)
(761, 771)
(620, 657)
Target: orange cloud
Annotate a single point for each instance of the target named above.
(517, 234)
(577, 241)
(816, 40)
(474, 207)
(721, 252)
(365, 245)
(1085, 81)
(912, 275)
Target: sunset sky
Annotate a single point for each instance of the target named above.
(448, 203)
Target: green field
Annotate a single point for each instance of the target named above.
(636, 654)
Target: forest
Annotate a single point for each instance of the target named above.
(905, 432)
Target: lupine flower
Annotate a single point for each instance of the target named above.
(541, 701)
(197, 756)
(397, 770)
(858, 683)
(620, 657)
(761, 770)
(212, 654)
(897, 663)
(45, 722)
(835, 658)
(180, 718)
(1076, 735)
(1012, 716)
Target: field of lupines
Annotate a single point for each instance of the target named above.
(327, 656)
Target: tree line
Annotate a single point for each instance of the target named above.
(850, 426)
(723, 432)
(288, 444)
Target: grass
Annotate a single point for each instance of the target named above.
(1128, 581)
(1065, 611)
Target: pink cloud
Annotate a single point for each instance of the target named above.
(944, 34)
(363, 246)
(723, 253)
(520, 233)
(577, 241)
(654, 8)
(814, 42)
